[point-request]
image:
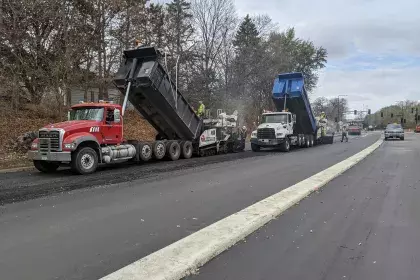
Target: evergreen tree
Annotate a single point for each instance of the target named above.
(179, 28)
(247, 37)
(248, 57)
(179, 35)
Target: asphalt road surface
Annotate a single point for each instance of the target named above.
(122, 214)
(362, 225)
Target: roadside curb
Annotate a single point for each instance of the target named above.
(185, 256)
(16, 169)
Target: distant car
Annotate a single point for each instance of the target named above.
(417, 130)
(354, 129)
(394, 131)
(370, 128)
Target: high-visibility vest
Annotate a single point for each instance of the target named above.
(201, 109)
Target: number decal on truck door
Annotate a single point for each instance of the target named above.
(94, 129)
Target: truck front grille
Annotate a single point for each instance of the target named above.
(266, 133)
(49, 141)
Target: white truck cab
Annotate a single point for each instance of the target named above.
(276, 129)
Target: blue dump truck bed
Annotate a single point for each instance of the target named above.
(154, 95)
(290, 87)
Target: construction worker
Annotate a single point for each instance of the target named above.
(244, 132)
(323, 116)
(201, 109)
(344, 134)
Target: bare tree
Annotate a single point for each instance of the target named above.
(213, 20)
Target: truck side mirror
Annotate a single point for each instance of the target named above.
(117, 116)
(68, 115)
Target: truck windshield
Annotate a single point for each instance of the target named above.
(274, 118)
(93, 114)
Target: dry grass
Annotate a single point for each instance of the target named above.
(13, 124)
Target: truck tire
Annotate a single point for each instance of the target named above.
(202, 153)
(307, 141)
(46, 166)
(303, 141)
(159, 149)
(311, 140)
(145, 151)
(285, 146)
(255, 147)
(173, 150)
(84, 161)
(186, 149)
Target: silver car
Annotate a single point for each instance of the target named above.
(394, 131)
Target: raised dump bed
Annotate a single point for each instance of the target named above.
(290, 87)
(154, 95)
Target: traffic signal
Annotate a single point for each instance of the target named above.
(402, 120)
(368, 111)
(355, 112)
(392, 115)
(418, 117)
(405, 120)
(336, 119)
(382, 114)
(412, 110)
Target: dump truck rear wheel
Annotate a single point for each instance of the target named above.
(173, 150)
(186, 149)
(145, 151)
(84, 161)
(307, 141)
(159, 149)
(46, 166)
(202, 153)
(302, 141)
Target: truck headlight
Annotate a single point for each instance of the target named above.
(34, 146)
(279, 134)
(70, 146)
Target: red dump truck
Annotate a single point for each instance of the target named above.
(93, 134)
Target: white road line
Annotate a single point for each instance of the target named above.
(186, 255)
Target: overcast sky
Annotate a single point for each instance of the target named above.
(373, 45)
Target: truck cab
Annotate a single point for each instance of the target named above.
(275, 129)
(78, 140)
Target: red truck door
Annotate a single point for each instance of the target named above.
(112, 131)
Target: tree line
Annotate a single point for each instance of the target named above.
(335, 108)
(49, 46)
(405, 112)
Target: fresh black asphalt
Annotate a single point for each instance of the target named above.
(122, 214)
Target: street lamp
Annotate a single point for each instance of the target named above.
(338, 97)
